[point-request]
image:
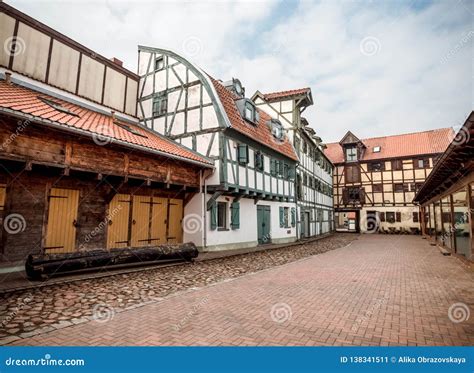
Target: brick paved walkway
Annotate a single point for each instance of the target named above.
(380, 290)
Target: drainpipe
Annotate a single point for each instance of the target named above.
(204, 205)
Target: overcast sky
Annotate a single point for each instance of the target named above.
(374, 67)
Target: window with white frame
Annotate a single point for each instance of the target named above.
(221, 215)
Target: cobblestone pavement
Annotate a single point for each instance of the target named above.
(26, 313)
(379, 290)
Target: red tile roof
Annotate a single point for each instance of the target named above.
(410, 144)
(27, 101)
(285, 94)
(260, 132)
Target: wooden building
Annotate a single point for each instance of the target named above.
(313, 184)
(78, 171)
(376, 179)
(249, 199)
(447, 196)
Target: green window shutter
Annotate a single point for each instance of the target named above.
(243, 153)
(293, 216)
(235, 215)
(291, 173)
(214, 216)
(282, 217)
(280, 168)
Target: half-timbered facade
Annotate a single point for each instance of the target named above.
(78, 171)
(376, 179)
(447, 196)
(249, 199)
(313, 183)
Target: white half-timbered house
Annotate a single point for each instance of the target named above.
(313, 182)
(249, 199)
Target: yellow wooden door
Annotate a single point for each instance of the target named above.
(61, 229)
(175, 214)
(159, 211)
(141, 221)
(3, 189)
(118, 220)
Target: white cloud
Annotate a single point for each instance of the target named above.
(420, 77)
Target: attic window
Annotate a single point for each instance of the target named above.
(57, 106)
(130, 129)
(159, 63)
(277, 129)
(376, 149)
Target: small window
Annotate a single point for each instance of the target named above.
(243, 153)
(390, 217)
(415, 217)
(305, 146)
(222, 215)
(351, 154)
(422, 163)
(259, 161)
(377, 188)
(160, 105)
(401, 187)
(354, 194)
(277, 129)
(249, 112)
(376, 149)
(397, 165)
(159, 63)
(376, 166)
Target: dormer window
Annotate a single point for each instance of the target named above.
(351, 154)
(159, 63)
(248, 111)
(277, 129)
(238, 87)
(376, 149)
(235, 86)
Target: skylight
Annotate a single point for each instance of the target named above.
(376, 149)
(130, 129)
(57, 106)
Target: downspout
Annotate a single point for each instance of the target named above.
(204, 204)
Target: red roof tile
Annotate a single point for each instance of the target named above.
(260, 132)
(284, 94)
(27, 101)
(405, 145)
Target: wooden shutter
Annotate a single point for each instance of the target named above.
(282, 217)
(345, 196)
(415, 217)
(140, 221)
(398, 216)
(273, 166)
(382, 216)
(214, 215)
(362, 195)
(159, 221)
(235, 215)
(293, 217)
(2, 196)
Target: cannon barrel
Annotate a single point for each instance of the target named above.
(40, 265)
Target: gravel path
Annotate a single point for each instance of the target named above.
(26, 312)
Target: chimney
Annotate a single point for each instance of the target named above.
(117, 61)
(8, 77)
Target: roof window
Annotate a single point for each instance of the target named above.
(57, 106)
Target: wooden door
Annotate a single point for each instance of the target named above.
(119, 219)
(263, 224)
(175, 217)
(140, 221)
(62, 216)
(159, 217)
